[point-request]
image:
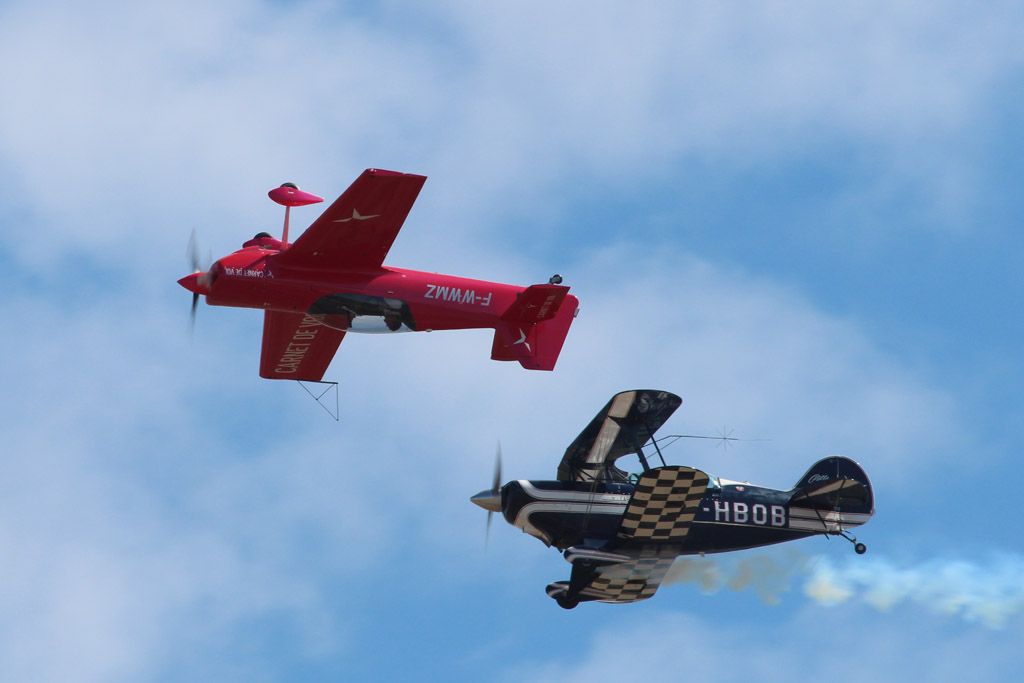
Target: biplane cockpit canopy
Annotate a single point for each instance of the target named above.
(622, 428)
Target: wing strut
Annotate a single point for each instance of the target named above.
(654, 442)
(323, 389)
(640, 450)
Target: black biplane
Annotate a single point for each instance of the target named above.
(621, 532)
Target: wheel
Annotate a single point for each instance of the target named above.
(566, 603)
(860, 548)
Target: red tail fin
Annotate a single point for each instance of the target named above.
(534, 327)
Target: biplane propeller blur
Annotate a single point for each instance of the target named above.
(621, 532)
(332, 280)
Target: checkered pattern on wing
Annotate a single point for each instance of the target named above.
(634, 580)
(663, 504)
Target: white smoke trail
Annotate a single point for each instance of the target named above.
(767, 576)
(989, 594)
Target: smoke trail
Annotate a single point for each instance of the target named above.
(988, 594)
(767, 576)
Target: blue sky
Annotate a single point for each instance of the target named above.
(802, 218)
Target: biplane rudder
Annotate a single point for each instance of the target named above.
(534, 327)
(835, 482)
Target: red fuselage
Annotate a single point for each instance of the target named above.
(249, 278)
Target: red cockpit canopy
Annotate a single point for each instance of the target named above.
(263, 240)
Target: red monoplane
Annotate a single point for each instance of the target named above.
(332, 280)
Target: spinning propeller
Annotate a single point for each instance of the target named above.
(198, 281)
(490, 499)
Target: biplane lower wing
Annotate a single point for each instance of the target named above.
(297, 346)
(533, 329)
(650, 537)
(635, 579)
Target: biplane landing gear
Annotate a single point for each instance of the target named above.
(858, 547)
(565, 602)
(569, 596)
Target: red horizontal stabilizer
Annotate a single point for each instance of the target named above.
(535, 345)
(535, 304)
(297, 346)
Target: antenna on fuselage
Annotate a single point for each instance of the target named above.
(289, 195)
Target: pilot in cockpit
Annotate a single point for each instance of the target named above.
(263, 240)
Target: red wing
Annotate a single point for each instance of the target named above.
(357, 230)
(297, 346)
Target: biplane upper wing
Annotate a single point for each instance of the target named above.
(624, 425)
(635, 579)
(297, 346)
(357, 230)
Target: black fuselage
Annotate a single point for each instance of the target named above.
(731, 516)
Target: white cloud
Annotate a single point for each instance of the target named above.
(139, 534)
(749, 354)
(130, 127)
(725, 647)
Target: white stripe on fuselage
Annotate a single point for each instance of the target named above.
(832, 521)
(566, 502)
(548, 494)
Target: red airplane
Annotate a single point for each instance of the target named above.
(332, 280)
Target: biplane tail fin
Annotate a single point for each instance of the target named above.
(533, 328)
(834, 494)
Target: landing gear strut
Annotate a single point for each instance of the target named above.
(569, 596)
(858, 548)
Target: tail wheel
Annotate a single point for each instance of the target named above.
(860, 548)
